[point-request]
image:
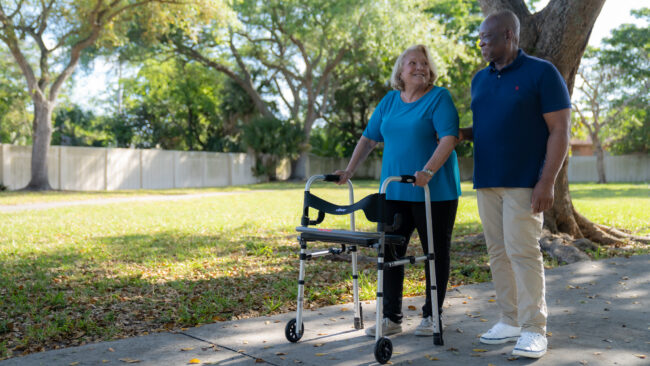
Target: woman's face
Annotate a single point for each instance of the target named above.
(415, 70)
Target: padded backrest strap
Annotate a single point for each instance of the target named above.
(370, 206)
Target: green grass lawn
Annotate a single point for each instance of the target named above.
(79, 274)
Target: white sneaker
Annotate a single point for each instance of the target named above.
(425, 329)
(388, 327)
(530, 344)
(501, 333)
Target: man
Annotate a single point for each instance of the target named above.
(521, 109)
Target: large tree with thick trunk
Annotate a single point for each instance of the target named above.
(559, 33)
(47, 39)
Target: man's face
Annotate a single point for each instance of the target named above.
(492, 40)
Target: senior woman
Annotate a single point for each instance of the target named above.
(418, 124)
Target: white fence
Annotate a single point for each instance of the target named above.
(90, 169)
(621, 168)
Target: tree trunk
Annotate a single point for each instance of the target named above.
(42, 137)
(600, 158)
(559, 33)
(299, 169)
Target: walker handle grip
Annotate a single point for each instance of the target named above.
(407, 179)
(332, 177)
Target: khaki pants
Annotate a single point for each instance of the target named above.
(512, 234)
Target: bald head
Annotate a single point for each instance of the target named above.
(505, 20)
(499, 38)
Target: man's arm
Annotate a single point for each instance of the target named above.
(465, 134)
(558, 123)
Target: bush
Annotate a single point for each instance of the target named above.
(271, 140)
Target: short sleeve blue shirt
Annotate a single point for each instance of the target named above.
(408, 131)
(510, 133)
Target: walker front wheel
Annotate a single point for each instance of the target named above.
(290, 331)
(383, 350)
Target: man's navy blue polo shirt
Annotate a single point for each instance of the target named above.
(510, 133)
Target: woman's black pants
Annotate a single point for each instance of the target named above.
(443, 215)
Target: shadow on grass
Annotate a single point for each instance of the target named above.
(126, 285)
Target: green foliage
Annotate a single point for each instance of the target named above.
(76, 127)
(271, 140)
(175, 104)
(632, 132)
(616, 80)
(15, 120)
(628, 51)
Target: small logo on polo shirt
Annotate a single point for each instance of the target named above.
(517, 87)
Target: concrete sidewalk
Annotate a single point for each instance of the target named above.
(599, 314)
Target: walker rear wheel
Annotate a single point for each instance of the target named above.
(290, 331)
(383, 350)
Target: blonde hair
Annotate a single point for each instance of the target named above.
(396, 82)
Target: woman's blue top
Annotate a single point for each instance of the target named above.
(409, 132)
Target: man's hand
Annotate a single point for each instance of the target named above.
(542, 198)
(344, 176)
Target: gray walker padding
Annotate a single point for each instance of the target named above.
(374, 207)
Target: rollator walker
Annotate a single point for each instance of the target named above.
(374, 207)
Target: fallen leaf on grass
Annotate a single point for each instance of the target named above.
(129, 360)
(187, 349)
(195, 361)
